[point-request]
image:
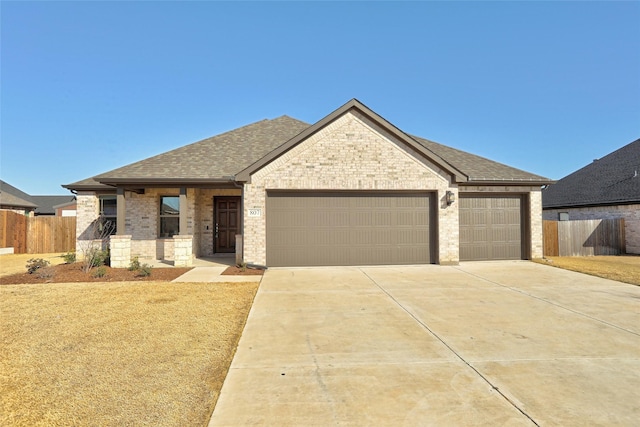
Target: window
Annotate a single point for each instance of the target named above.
(169, 216)
(108, 214)
(563, 216)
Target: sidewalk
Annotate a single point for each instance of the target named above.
(213, 274)
(210, 270)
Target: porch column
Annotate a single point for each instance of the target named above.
(120, 212)
(120, 251)
(182, 251)
(183, 211)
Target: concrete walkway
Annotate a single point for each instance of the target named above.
(209, 270)
(496, 343)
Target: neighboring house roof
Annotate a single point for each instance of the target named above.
(11, 197)
(613, 179)
(47, 204)
(234, 155)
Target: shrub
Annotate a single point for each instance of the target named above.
(134, 265)
(45, 273)
(69, 258)
(144, 270)
(95, 258)
(36, 263)
(99, 272)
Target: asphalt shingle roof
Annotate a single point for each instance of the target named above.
(478, 168)
(216, 157)
(12, 197)
(613, 179)
(224, 156)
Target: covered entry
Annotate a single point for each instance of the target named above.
(348, 228)
(491, 227)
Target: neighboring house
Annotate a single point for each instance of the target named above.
(15, 200)
(351, 189)
(55, 205)
(607, 188)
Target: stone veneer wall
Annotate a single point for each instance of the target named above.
(534, 194)
(630, 213)
(351, 153)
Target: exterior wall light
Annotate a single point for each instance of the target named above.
(450, 197)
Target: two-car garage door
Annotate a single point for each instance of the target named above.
(348, 228)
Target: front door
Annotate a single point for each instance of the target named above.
(226, 219)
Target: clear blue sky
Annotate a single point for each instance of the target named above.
(90, 86)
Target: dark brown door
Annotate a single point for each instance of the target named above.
(226, 217)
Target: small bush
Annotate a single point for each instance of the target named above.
(69, 258)
(45, 273)
(144, 270)
(99, 272)
(95, 258)
(134, 265)
(34, 264)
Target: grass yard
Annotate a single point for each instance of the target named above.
(111, 354)
(621, 268)
(16, 263)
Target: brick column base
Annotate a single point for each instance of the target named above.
(120, 251)
(182, 251)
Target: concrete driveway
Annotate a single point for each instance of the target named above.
(494, 343)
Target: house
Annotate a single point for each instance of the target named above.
(351, 189)
(18, 201)
(608, 188)
(55, 205)
(15, 200)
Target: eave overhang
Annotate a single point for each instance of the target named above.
(510, 182)
(592, 204)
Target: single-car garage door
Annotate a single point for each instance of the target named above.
(490, 227)
(348, 228)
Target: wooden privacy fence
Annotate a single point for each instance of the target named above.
(37, 235)
(584, 237)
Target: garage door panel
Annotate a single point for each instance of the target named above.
(490, 227)
(324, 228)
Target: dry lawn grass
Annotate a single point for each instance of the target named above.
(16, 263)
(145, 354)
(621, 268)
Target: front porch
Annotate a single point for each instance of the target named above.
(176, 226)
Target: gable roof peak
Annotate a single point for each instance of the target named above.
(245, 175)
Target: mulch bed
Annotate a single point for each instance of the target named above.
(71, 273)
(238, 271)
